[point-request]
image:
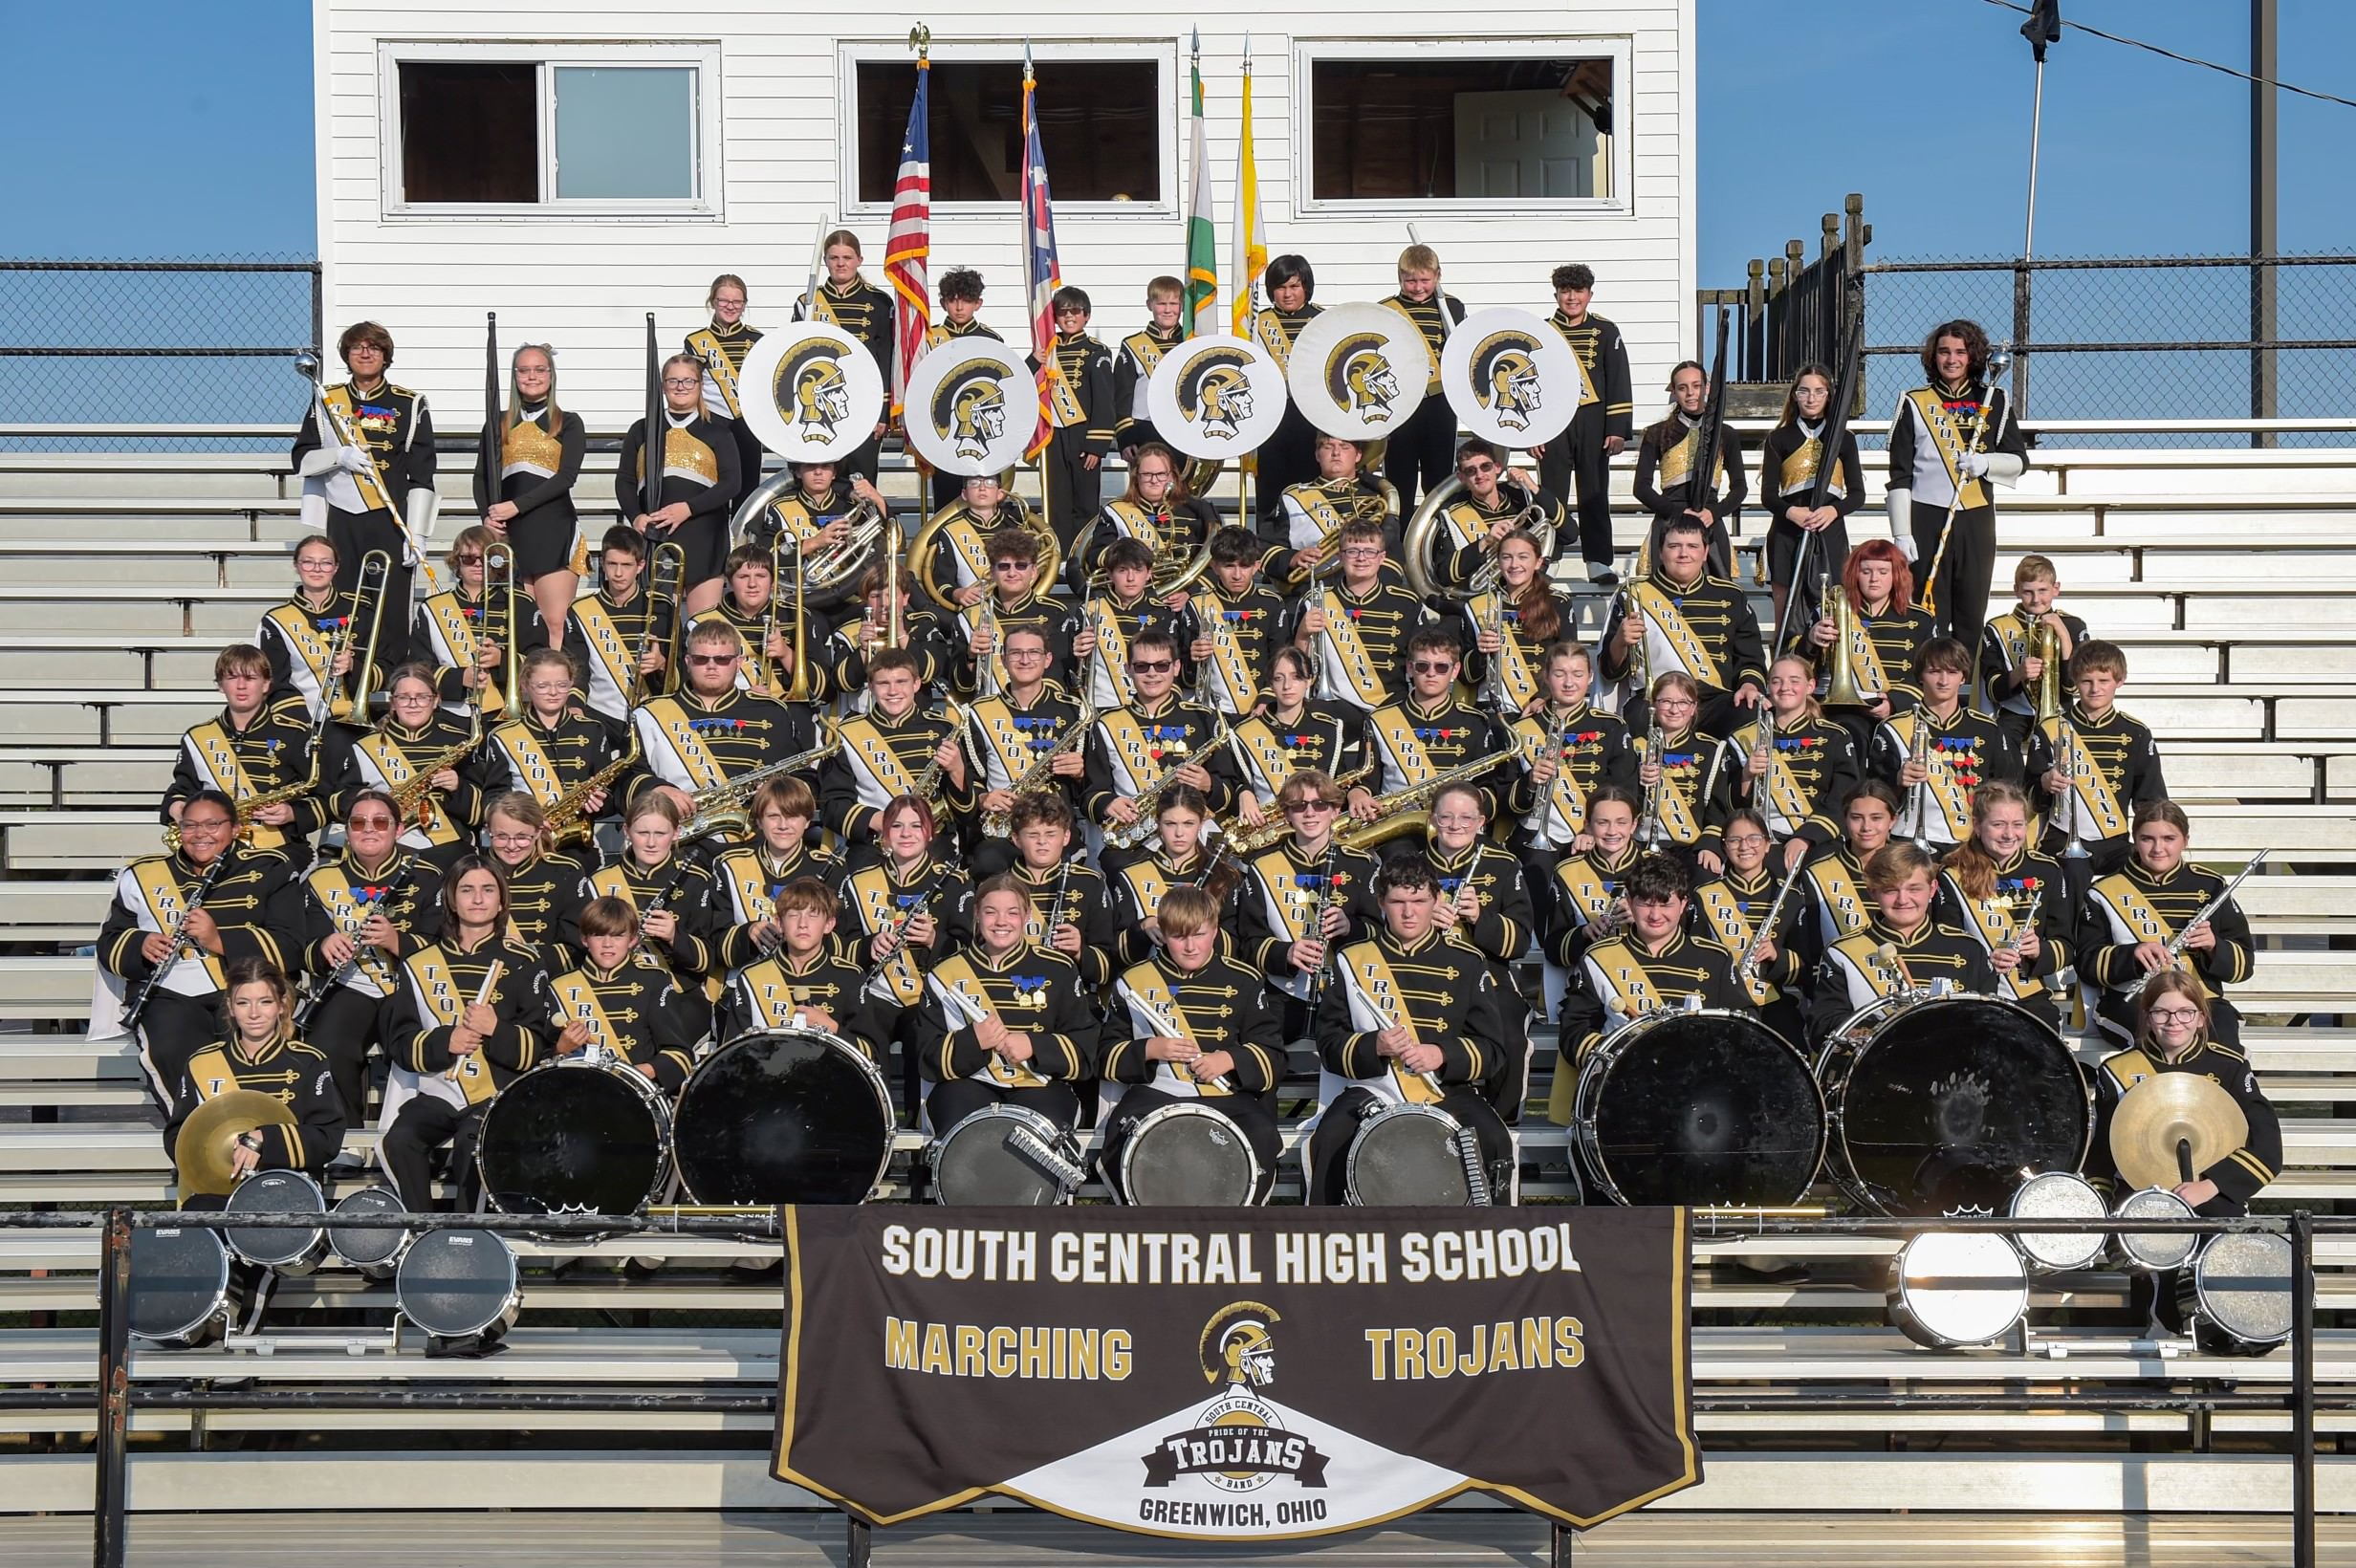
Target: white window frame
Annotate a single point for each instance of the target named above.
(547, 57)
(1618, 49)
(851, 54)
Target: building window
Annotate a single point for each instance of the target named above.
(1535, 125)
(569, 130)
(1099, 127)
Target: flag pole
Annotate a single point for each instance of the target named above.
(1047, 503)
(2042, 30)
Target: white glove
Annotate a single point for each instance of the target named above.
(319, 462)
(1973, 464)
(1908, 547)
(354, 460)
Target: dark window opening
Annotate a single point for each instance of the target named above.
(1485, 130)
(469, 132)
(1100, 129)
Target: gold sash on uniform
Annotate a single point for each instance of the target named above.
(1575, 878)
(1148, 350)
(1513, 660)
(1735, 932)
(393, 767)
(528, 763)
(770, 994)
(1861, 950)
(1269, 328)
(216, 754)
(879, 900)
(1132, 752)
(1837, 891)
(1872, 675)
(2089, 789)
(1146, 983)
(1993, 921)
(1269, 758)
(1562, 807)
(606, 644)
(1947, 438)
(167, 906)
(1681, 817)
(437, 994)
(1376, 996)
(373, 495)
(576, 1001)
(1149, 882)
(1006, 751)
(331, 887)
(1666, 625)
(1395, 729)
(706, 345)
(868, 747)
(1227, 666)
(1111, 663)
(1345, 652)
(1783, 793)
(298, 626)
(2121, 897)
(956, 973)
(447, 614)
(678, 732)
(1622, 972)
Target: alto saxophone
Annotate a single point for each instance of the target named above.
(568, 819)
(1149, 800)
(1001, 824)
(1401, 814)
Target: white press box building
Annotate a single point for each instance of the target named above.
(575, 168)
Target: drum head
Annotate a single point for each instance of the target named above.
(2155, 1249)
(2243, 1287)
(180, 1280)
(565, 1140)
(1955, 1288)
(1704, 1108)
(456, 1282)
(276, 1192)
(1948, 1104)
(1407, 1157)
(1183, 1155)
(784, 1118)
(2059, 1195)
(978, 1162)
(370, 1248)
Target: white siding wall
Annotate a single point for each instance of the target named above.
(585, 283)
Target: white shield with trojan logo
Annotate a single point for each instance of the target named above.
(1510, 378)
(1358, 371)
(1217, 397)
(812, 392)
(970, 406)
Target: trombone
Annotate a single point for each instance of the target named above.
(348, 701)
(669, 566)
(499, 588)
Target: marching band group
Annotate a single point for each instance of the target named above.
(1122, 797)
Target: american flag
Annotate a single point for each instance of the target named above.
(909, 249)
(1039, 260)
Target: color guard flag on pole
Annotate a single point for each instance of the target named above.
(909, 248)
(1040, 274)
(1250, 235)
(1202, 238)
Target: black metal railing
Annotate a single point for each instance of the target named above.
(114, 1395)
(182, 341)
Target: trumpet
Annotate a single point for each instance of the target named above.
(1639, 659)
(725, 808)
(1918, 752)
(1650, 832)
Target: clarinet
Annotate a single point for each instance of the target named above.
(345, 970)
(901, 922)
(654, 907)
(1055, 904)
(137, 1005)
(1325, 901)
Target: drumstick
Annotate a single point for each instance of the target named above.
(1169, 1026)
(1886, 955)
(482, 994)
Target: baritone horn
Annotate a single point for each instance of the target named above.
(1840, 682)
(833, 571)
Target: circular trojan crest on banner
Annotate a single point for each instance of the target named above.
(970, 407)
(1215, 397)
(1359, 371)
(1510, 378)
(811, 392)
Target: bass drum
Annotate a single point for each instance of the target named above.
(1940, 1106)
(797, 1116)
(1185, 1155)
(290, 1252)
(575, 1137)
(180, 1286)
(1426, 1156)
(1006, 1155)
(1699, 1108)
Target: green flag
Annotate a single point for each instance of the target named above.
(1202, 241)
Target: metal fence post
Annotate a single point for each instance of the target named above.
(858, 1543)
(1565, 1541)
(110, 1507)
(2020, 342)
(319, 307)
(2302, 1389)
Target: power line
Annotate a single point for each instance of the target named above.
(2188, 60)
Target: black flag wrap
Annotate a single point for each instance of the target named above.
(1237, 1375)
(2043, 28)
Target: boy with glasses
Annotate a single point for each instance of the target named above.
(1433, 730)
(1031, 721)
(711, 732)
(1492, 505)
(1305, 896)
(1358, 626)
(1015, 598)
(1133, 748)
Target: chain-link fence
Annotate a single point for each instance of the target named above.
(2135, 338)
(186, 342)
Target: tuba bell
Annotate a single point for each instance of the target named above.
(1013, 514)
(1423, 529)
(831, 574)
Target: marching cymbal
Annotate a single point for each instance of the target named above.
(2164, 1109)
(209, 1137)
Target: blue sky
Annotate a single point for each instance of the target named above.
(210, 152)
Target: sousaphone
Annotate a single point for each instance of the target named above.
(1512, 380)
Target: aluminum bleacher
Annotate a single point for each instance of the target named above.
(2229, 575)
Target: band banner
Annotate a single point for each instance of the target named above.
(1223, 1375)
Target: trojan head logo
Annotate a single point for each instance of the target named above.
(1236, 1348)
(969, 410)
(1358, 374)
(1214, 392)
(811, 383)
(1505, 378)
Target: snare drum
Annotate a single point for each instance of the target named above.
(2238, 1298)
(1007, 1155)
(576, 1136)
(1425, 1156)
(1709, 1107)
(289, 1251)
(2153, 1251)
(453, 1283)
(2059, 1195)
(1185, 1153)
(797, 1116)
(1950, 1288)
(1938, 1105)
(180, 1286)
(372, 1249)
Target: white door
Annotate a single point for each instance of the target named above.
(1525, 147)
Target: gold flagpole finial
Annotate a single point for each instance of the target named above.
(920, 39)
